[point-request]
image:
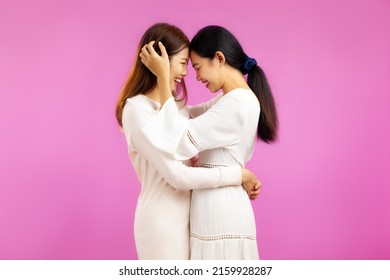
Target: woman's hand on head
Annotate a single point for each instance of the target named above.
(157, 64)
(250, 183)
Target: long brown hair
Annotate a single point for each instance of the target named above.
(141, 80)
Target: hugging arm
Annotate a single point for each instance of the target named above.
(175, 172)
(184, 177)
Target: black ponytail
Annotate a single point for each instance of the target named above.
(268, 120)
(211, 39)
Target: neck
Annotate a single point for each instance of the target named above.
(233, 80)
(154, 94)
(162, 91)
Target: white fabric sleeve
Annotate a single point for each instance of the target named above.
(183, 177)
(199, 109)
(220, 126)
(177, 174)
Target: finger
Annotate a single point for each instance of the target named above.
(163, 50)
(257, 192)
(257, 186)
(143, 58)
(150, 48)
(254, 196)
(145, 51)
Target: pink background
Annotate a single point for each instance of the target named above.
(67, 188)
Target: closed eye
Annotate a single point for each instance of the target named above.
(196, 66)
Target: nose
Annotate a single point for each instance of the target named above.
(198, 78)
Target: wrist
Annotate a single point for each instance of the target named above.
(244, 175)
(163, 79)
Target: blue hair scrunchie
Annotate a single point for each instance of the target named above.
(248, 65)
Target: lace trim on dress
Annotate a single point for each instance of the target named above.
(193, 141)
(209, 165)
(223, 236)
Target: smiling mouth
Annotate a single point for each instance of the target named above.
(178, 80)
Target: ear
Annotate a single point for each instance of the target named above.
(219, 56)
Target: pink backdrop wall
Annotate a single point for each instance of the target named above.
(67, 188)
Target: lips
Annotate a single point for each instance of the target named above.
(205, 82)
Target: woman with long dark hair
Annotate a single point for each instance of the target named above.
(222, 220)
(161, 225)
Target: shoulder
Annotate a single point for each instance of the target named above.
(242, 103)
(137, 111)
(241, 93)
(238, 98)
(139, 104)
(244, 98)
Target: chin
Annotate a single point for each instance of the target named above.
(212, 89)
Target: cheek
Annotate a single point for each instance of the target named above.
(202, 73)
(172, 71)
(176, 70)
(215, 75)
(209, 76)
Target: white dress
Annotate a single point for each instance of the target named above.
(161, 226)
(222, 222)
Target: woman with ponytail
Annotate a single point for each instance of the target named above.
(222, 221)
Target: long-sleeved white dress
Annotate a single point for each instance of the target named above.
(222, 223)
(161, 226)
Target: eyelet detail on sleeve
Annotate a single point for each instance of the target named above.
(193, 141)
(209, 165)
